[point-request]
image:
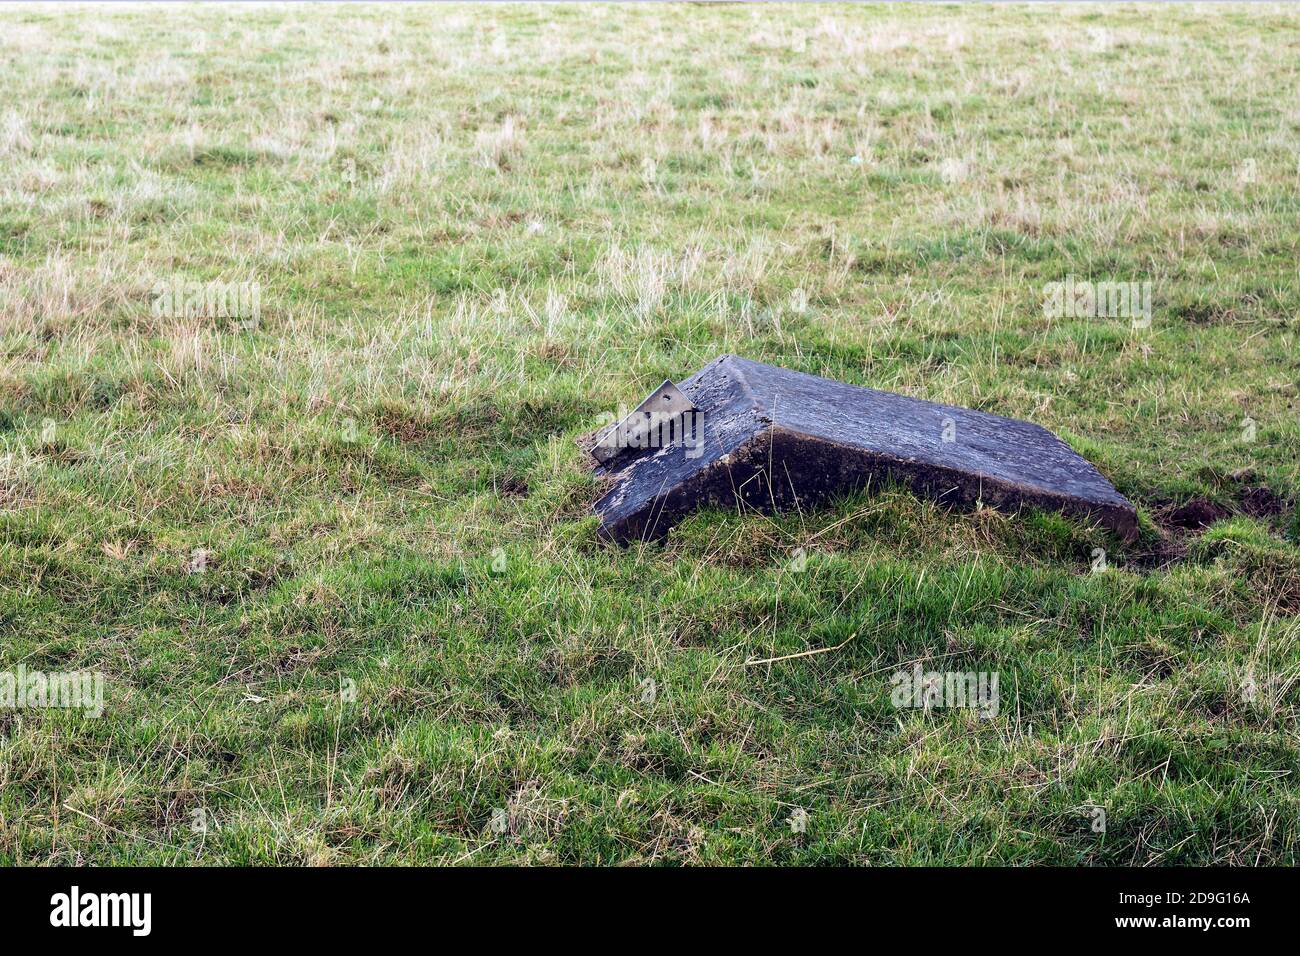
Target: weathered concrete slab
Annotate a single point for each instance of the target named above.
(773, 438)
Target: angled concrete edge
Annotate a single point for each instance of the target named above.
(775, 439)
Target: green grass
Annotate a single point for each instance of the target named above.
(478, 229)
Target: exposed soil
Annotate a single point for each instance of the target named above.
(1196, 514)
(1261, 502)
(512, 486)
(1177, 523)
(1254, 501)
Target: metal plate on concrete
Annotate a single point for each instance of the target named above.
(649, 426)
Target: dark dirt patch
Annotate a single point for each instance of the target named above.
(512, 486)
(1177, 522)
(1261, 502)
(1196, 514)
(1252, 500)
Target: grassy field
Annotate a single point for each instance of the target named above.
(335, 560)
